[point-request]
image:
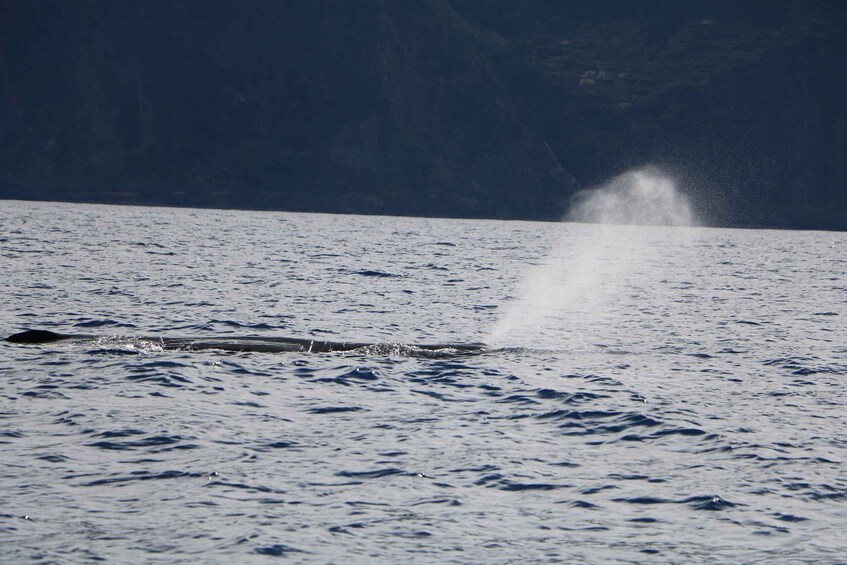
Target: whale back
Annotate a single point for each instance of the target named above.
(36, 336)
(241, 344)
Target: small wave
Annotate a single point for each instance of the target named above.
(804, 366)
(102, 324)
(830, 369)
(235, 324)
(277, 550)
(371, 273)
(280, 445)
(589, 422)
(709, 502)
(144, 476)
(154, 441)
(351, 376)
(335, 409)
(375, 474)
(121, 433)
(583, 504)
(569, 397)
(171, 380)
(241, 486)
(518, 399)
(45, 392)
(518, 487)
(54, 458)
(789, 517)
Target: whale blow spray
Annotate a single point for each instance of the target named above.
(642, 197)
(568, 299)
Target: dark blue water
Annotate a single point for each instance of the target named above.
(651, 394)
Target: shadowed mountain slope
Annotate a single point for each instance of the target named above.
(426, 107)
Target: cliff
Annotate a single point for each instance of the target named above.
(475, 108)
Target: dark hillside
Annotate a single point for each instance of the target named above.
(737, 99)
(481, 108)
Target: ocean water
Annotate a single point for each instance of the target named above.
(649, 394)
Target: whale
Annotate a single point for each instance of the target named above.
(258, 344)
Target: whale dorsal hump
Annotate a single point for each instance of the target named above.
(35, 336)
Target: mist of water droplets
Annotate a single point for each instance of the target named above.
(588, 265)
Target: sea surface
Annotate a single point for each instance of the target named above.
(650, 395)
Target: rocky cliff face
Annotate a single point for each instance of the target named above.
(429, 107)
(373, 107)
